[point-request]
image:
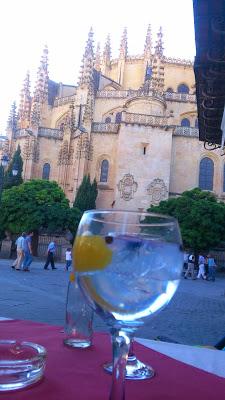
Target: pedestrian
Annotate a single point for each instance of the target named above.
(50, 256)
(185, 261)
(19, 251)
(211, 268)
(201, 267)
(191, 267)
(206, 266)
(28, 253)
(68, 259)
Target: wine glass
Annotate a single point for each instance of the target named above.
(128, 265)
(135, 369)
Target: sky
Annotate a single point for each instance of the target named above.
(27, 25)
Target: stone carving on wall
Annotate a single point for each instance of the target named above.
(5, 147)
(142, 119)
(35, 150)
(84, 148)
(127, 187)
(63, 122)
(31, 149)
(157, 191)
(65, 156)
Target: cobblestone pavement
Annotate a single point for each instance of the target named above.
(196, 314)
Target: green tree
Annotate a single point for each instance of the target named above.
(16, 162)
(201, 218)
(37, 205)
(74, 220)
(86, 195)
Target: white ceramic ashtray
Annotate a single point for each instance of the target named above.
(21, 364)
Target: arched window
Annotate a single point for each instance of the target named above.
(206, 172)
(196, 123)
(185, 122)
(107, 120)
(182, 88)
(104, 171)
(169, 89)
(46, 171)
(118, 117)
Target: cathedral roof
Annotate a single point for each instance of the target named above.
(53, 88)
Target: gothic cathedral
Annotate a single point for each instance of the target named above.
(131, 122)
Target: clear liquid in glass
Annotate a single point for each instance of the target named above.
(141, 278)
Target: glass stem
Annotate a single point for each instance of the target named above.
(121, 344)
(131, 354)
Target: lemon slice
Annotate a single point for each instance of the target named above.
(91, 253)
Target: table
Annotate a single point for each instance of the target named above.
(74, 374)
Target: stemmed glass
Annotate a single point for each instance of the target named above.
(128, 265)
(135, 369)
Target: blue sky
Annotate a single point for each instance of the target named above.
(27, 25)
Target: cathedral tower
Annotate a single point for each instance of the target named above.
(122, 56)
(25, 104)
(40, 97)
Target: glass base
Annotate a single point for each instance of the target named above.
(135, 369)
(77, 343)
(21, 364)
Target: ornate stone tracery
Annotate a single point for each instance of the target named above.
(127, 187)
(65, 156)
(157, 191)
(5, 147)
(31, 149)
(84, 148)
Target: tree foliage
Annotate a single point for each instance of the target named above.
(9, 179)
(86, 195)
(37, 205)
(201, 218)
(74, 220)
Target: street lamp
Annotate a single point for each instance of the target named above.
(15, 170)
(4, 163)
(4, 160)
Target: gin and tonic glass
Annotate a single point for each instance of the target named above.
(128, 265)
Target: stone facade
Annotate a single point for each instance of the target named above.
(131, 123)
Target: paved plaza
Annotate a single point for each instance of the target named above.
(196, 315)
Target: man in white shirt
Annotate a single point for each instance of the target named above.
(19, 250)
(50, 256)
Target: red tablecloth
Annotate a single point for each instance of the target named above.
(73, 374)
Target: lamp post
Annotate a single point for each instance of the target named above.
(15, 170)
(4, 163)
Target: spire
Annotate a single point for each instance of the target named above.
(12, 120)
(41, 89)
(148, 43)
(98, 58)
(86, 75)
(107, 51)
(123, 45)
(25, 103)
(159, 44)
(158, 75)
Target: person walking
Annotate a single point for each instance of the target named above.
(68, 259)
(185, 261)
(206, 266)
(211, 268)
(28, 253)
(19, 251)
(191, 267)
(50, 256)
(201, 267)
